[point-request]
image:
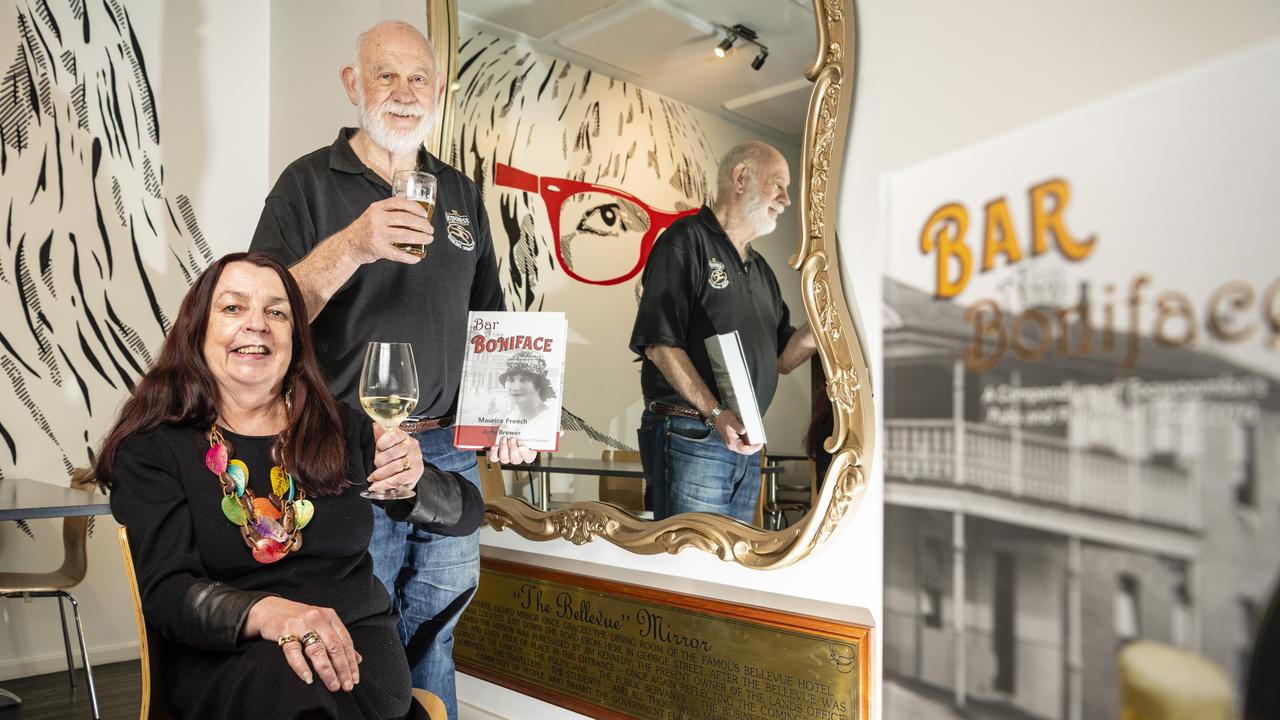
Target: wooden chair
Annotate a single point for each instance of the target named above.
(766, 492)
(75, 564)
(149, 642)
(491, 482)
(149, 648)
(432, 702)
(624, 492)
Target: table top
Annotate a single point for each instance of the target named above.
(23, 499)
(596, 466)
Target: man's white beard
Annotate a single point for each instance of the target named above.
(758, 216)
(763, 223)
(396, 142)
(760, 219)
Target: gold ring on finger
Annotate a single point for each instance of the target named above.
(310, 638)
(286, 639)
(404, 463)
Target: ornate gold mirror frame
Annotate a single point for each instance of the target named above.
(839, 346)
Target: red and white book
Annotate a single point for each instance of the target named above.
(512, 380)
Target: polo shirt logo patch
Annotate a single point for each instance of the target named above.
(719, 278)
(458, 233)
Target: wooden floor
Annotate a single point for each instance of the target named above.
(51, 697)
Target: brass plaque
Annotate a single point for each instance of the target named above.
(612, 650)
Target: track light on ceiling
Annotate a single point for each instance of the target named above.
(746, 34)
(725, 45)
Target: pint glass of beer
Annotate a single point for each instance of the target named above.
(421, 188)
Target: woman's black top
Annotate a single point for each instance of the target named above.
(196, 576)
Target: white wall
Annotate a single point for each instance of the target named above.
(206, 62)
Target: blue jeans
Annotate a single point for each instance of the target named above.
(431, 578)
(687, 468)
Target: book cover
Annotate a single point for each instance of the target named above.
(512, 380)
(729, 364)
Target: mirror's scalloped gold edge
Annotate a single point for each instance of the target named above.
(839, 347)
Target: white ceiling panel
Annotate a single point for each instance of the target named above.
(782, 107)
(534, 18)
(649, 40)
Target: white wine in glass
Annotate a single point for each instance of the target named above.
(421, 188)
(388, 393)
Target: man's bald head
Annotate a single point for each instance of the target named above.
(754, 154)
(390, 32)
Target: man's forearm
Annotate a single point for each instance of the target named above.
(800, 347)
(325, 269)
(677, 368)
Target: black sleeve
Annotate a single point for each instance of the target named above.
(486, 291)
(178, 597)
(285, 229)
(446, 503)
(668, 295)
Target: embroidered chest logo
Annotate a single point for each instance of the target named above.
(719, 279)
(459, 232)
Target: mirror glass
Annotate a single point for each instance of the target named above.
(618, 111)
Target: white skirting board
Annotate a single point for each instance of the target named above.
(57, 662)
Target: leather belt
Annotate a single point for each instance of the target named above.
(417, 426)
(678, 410)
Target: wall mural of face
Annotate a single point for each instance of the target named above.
(97, 253)
(580, 173)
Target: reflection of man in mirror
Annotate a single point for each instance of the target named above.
(332, 217)
(527, 386)
(703, 279)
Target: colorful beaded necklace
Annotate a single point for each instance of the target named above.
(271, 526)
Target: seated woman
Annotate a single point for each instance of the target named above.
(239, 477)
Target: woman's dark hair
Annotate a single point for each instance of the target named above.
(179, 388)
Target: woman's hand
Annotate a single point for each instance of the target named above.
(333, 657)
(398, 463)
(512, 451)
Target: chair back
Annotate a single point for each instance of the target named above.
(153, 705)
(624, 492)
(491, 483)
(432, 702)
(75, 537)
(768, 493)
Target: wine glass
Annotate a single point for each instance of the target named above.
(419, 187)
(388, 393)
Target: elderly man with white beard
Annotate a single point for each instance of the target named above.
(331, 217)
(703, 279)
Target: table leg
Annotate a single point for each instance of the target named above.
(544, 491)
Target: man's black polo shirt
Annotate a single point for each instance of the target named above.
(696, 286)
(425, 304)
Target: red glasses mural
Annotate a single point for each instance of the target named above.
(603, 235)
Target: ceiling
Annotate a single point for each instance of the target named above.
(666, 46)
